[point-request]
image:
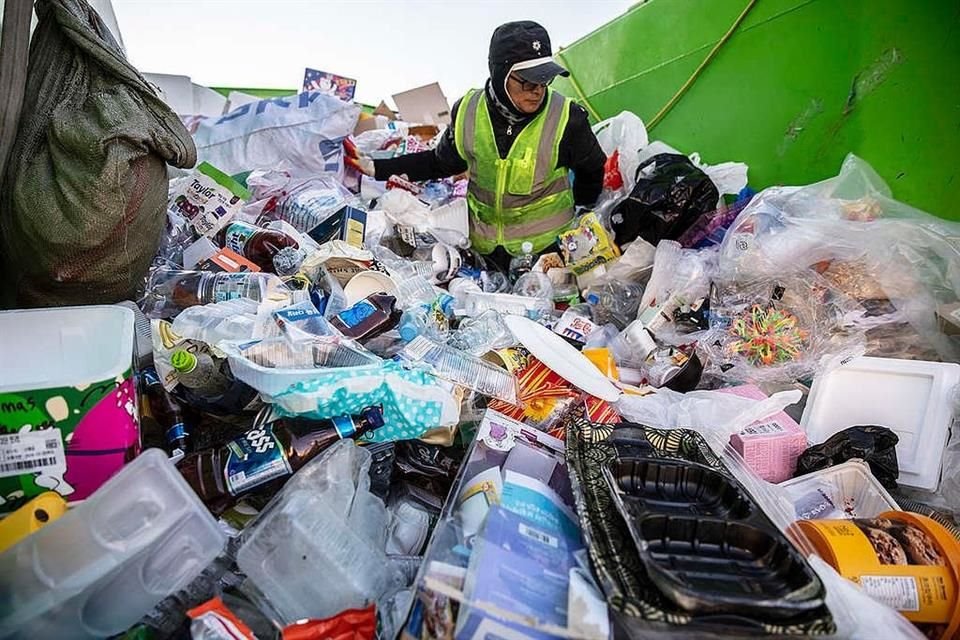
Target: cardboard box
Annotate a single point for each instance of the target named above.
(347, 224)
(771, 446)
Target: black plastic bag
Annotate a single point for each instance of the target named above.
(874, 445)
(670, 195)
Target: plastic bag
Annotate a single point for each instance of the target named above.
(729, 177)
(302, 133)
(624, 135)
(874, 445)
(780, 329)
(705, 411)
(906, 260)
(413, 401)
(669, 195)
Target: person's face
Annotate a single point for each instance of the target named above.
(527, 96)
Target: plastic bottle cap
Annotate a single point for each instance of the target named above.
(527, 247)
(183, 361)
(374, 417)
(408, 332)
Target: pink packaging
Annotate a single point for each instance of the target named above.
(770, 446)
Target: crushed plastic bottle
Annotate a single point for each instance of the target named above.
(522, 264)
(432, 319)
(633, 345)
(616, 302)
(481, 334)
(211, 323)
(534, 284)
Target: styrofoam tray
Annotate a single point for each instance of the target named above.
(912, 398)
(852, 490)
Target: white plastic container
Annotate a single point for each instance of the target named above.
(912, 398)
(68, 401)
(302, 363)
(847, 490)
(98, 569)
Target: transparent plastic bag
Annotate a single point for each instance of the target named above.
(898, 261)
(780, 329)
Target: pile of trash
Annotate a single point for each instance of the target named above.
(713, 412)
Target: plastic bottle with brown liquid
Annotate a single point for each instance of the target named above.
(369, 317)
(256, 244)
(273, 451)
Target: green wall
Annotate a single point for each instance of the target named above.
(799, 85)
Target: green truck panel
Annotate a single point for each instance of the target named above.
(797, 86)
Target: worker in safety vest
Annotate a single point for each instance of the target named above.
(520, 141)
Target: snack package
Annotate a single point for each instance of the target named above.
(587, 246)
(208, 199)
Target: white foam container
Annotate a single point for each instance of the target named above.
(851, 487)
(912, 398)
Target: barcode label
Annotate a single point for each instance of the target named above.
(32, 452)
(897, 592)
(537, 535)
(763, 429)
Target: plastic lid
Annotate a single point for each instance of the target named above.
(408, 331)
(373, 416)
(446, 304)
(183, 361)
(527, 247)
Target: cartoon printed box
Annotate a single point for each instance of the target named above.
(68, 401)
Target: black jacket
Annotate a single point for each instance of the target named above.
(579, 151)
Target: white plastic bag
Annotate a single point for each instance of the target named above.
(302, 132)
(626, 133)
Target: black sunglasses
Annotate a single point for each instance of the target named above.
(529, 87)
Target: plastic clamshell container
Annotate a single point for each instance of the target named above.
(846, 490)
(98, 569)
(705, 544)
(912, 398)
(68, 373)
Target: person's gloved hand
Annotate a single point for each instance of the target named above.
(353, 158)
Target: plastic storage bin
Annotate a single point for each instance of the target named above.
(68, 373)
(102, 566)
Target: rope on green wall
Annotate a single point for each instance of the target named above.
(696, 73)
(581, 97)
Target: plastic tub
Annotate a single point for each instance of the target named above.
(99, 568)
(68, 374)
(903, 559)
(846, 490)
(910, 397)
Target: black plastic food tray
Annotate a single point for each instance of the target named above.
(704, 542)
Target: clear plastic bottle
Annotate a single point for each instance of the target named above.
(522, 264)
(412, 278)
(616, 302)
(534, 284)
(199, 372)
(432, 320)
(211, 323)
(254, 243)
(481, 334)
(171, 291)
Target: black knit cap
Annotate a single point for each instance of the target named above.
(523, 41)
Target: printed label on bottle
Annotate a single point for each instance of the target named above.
(176, 432)
(236, 237)
(356, 314)
(344, 426)
(230, 286)
(255, 458)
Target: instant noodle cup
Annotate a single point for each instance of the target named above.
(905, 560)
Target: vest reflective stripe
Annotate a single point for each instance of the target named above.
(523, 197)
